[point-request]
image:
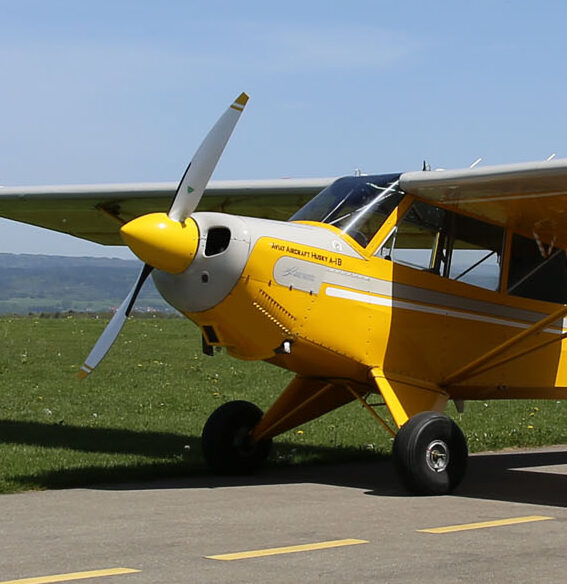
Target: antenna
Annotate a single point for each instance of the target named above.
(476, 162)
(551, 157)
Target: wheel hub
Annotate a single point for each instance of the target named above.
(437, 456)
(243, 442)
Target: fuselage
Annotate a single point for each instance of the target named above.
(342, 311)
(335, 297)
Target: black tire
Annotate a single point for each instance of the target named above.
(226, 442)
(430, 453)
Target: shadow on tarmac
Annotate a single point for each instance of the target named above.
(514, 477)
(509, 476)
(491, 476)
(505, 476)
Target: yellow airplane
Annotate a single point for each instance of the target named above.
(417, 287)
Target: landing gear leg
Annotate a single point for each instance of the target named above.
(227, 443)
(430, 453)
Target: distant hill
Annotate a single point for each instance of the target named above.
(42, 283)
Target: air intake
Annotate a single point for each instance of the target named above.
(218, 239)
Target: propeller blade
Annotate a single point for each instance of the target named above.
(200, 169)
(115, 325)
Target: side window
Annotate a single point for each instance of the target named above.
(447, 244)
(475, 252)
(415, 240)
(536, 271)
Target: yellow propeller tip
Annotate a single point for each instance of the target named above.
(242, 99)
(82, 373)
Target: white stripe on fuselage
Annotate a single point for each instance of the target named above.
(392, 303)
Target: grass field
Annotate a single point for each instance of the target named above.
(140, 415)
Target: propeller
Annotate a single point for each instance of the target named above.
(200, 169)
(172, 254)
(115, 325)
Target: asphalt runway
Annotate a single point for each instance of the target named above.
(167, 531)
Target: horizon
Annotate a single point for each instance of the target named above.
(75, 257)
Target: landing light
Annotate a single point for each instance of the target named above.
(284, 348)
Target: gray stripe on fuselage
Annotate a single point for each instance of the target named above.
(309, 277)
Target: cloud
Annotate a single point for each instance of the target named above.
(328, 48)
(204, 51)
(300, 48)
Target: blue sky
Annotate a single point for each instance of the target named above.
(121, 91)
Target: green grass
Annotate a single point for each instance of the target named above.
(141, 413)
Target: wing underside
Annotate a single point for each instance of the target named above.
(96, 212)
(531, 198)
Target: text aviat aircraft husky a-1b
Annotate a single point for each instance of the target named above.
(418, 287)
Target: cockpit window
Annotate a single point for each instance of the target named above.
(447, 244)
(357, 205)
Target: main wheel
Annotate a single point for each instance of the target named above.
(227, 443)
(430, 453)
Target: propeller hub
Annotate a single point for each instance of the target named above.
(161, 242)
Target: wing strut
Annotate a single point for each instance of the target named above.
(363, 400)
(481, 364)
(406, 397)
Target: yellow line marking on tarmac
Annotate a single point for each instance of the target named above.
(484, 524)
(307, 547)
(72, 576)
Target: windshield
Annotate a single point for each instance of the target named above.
(357, 205)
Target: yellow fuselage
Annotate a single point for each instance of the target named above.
(366, 312)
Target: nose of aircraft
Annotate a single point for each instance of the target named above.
(161, 242)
